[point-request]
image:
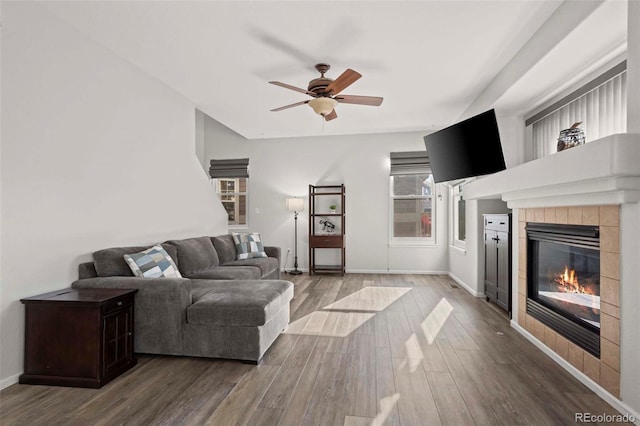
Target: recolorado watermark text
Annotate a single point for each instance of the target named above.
(604, 418)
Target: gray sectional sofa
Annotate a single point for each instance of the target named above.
(220, 308)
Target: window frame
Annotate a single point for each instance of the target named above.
(411, 241)
(456, 192)
(236, 193)
(585, 105)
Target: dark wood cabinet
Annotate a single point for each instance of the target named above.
(327, 226)
(78, 337)
(497, 259)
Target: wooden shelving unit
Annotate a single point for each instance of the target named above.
(321, 234)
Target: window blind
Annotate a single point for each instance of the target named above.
(410, 163)
(602, 111)
(233, 168)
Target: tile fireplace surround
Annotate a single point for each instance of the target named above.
(597, 183)
(606, 370)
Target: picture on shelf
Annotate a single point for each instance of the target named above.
(328, 227)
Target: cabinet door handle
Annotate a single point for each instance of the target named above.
(130, 333)
(119, 303)
(496, 239)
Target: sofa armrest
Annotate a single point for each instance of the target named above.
(160, 309)
(273, 252)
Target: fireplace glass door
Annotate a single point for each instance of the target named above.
(563, 280)
(566, 279)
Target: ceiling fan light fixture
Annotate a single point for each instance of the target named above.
(322, 105)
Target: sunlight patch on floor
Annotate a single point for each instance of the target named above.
(370, 299)
(343, 317)
(414, 353)
(386, 406)
(433, 323)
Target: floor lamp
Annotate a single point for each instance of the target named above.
(295, 205)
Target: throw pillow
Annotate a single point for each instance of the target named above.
(154, 262)
(248, 246)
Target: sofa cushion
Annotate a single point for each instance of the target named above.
(110, 262)
(154, 262)
(225, 247)
(229, 273)
(240, 303)
(195, 255)
(266, 264)
(248, 245)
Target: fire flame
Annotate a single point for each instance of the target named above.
(568, 282)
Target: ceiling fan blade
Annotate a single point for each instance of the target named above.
(289, 106)
(297, 89)
(331, 115)
(359, 100)
(345, 80)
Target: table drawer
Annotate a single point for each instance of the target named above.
(326, 241)
(114, 305)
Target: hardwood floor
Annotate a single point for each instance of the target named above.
(360, 350)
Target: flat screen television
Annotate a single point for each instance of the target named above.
(466, 149)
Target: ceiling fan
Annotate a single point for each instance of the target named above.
(326, 93)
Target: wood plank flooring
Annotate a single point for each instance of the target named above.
(363, 349)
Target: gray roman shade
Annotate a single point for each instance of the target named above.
(410, 163)
(233, 168)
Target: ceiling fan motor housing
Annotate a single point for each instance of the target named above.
(319, 85)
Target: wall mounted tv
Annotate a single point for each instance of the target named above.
(466, 149)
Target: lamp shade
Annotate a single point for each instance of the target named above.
(295, 204)
(323, 106)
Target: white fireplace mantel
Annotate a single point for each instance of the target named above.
(604, 171)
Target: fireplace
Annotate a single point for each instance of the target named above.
(563, 274)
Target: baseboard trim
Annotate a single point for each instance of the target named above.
(8, 381)
(394, 272)
(583, 378)
(464, 285)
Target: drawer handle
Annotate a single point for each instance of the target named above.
(119, 303)
(130, 333)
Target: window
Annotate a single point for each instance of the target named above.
(412, 202)
(233, 195)
(458, 212)
(601, 107)
(231, 179)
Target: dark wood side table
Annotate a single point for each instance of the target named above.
(78, 337)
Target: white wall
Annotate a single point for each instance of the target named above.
(200, 144)
(512, 135)
(467, 266)
(282, 168)
(629, 300)
(633, 66)
(630, 239)
(94, 154)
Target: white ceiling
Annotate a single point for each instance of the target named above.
(429, 59)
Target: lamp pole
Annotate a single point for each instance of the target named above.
(295, 245)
